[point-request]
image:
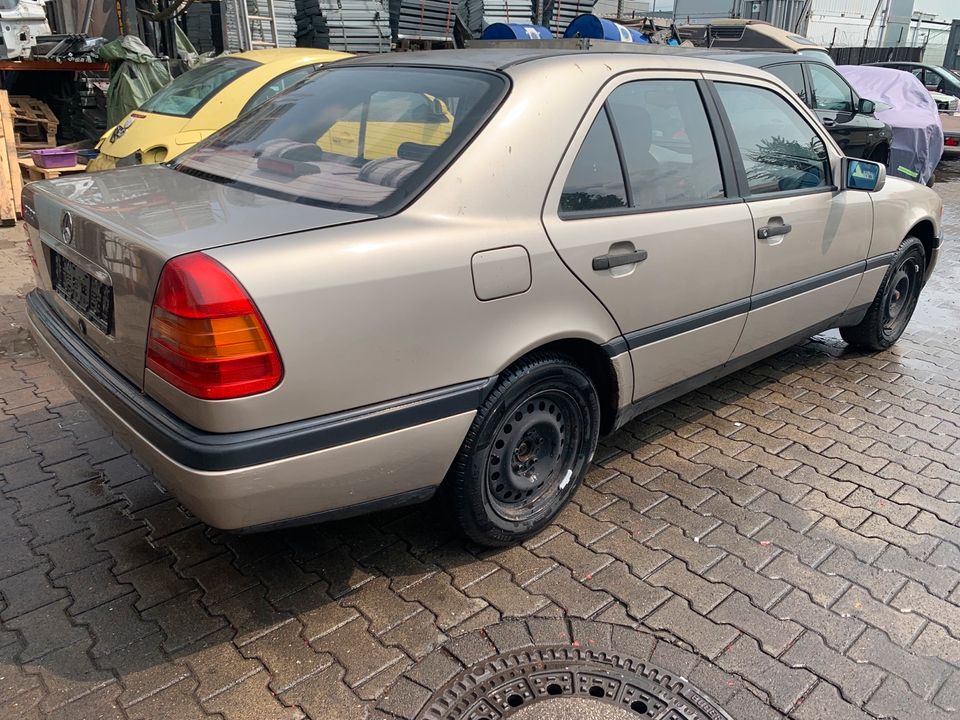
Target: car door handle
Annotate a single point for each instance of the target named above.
(769, 231)
(605, 262)
(829, 122)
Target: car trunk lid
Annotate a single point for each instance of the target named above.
(104, 238)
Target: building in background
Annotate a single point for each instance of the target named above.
(787, 14)
(839, 23)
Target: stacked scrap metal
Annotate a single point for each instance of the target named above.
(312, 30)
(285, 13)
(198, 21)
(477, 14)
(425, 19)
(558, 14)
(91, 119)
(357, 26)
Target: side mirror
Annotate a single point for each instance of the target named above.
(866, 107)
(863, 175)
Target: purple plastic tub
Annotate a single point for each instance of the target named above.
(54, 158)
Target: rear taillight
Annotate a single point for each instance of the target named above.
(952, 141)
(206, 336)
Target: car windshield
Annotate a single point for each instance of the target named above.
(819, 54)
(363, 137)
(184, 96)
(954, 73)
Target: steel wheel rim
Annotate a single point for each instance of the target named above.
(901, 297)
(532, 455)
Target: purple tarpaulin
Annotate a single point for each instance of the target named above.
(906, 106)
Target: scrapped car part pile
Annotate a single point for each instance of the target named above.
(904, 104)
(20, 26)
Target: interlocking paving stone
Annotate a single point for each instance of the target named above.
(797, 522)
(774, 635)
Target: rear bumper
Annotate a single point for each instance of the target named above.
(317, 469)
(951, 151)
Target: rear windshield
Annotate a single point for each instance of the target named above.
(184, 96)
(366, 138)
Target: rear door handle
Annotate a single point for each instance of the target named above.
(769, 231)
(829, 122)
(605, 262)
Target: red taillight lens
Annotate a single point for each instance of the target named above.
(206, 336)
(952, 141)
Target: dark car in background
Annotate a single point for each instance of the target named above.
(935, 78)
(849, 118)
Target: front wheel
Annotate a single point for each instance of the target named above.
(527, 451)
(895, 301)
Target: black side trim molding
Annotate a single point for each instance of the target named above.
(649, 335)
(879, 261)
(806, 285)
(639, 338)
(203, 450)
(852, 316)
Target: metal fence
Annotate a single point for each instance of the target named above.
(864, 55)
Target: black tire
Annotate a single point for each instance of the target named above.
(544, 418)
(311, 25)
(895, 301)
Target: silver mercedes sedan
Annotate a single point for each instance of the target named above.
(459, 269)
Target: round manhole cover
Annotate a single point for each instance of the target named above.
(569, 683)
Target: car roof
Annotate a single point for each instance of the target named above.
(754, 58)
(501, 56)
(291, 56)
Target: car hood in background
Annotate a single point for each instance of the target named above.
(143, 131)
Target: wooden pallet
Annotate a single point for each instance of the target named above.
(32, 172)
(11, 181)
(34, 122)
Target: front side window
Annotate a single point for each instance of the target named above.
(184, 96)
(595, 181)
(792, 75)
(780, 150)
(830, 91)
(668, 147)
(364, 138)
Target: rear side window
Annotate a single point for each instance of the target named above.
(595, 181)
(780, 150)
(830, 91)
(277, 85)
(666, 145)
(185, 95)
(933, 79)
(792, 75)
(365, 138)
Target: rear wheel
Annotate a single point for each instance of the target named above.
(527, 451)
(894, 303)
